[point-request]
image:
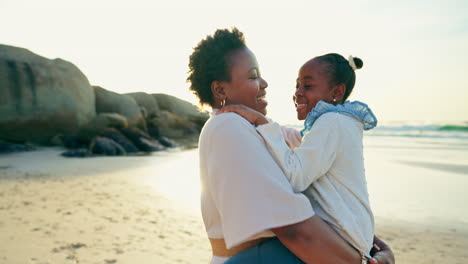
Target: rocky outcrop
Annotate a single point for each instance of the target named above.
(50, 102)
(40, 98)
(125, 105)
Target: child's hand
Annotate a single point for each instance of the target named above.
(251, 115)
(381, 253)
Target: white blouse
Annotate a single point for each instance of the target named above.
(328, 167)
(244, 191)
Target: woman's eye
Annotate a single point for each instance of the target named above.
(254, 77)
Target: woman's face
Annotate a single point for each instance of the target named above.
(311, 87)
(246, 87)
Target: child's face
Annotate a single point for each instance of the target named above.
(311, 87)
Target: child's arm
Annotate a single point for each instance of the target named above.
(306, 163)
(292, 137)
(248, 113)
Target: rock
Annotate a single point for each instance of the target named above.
(101, 123)
(106, 146)
(198, 120)
(154, 132)
(173, 126)
(147, 102)
(125, 105)
(6, 147)
(70, 142)
(144, 112)
(40, 98)
(150, 145)
(142, 140)
(77, 153)
(167, 142)
(179, 107)
(120, 139)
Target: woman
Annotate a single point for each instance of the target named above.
(246, 197)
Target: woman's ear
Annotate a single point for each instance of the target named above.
(219, 93)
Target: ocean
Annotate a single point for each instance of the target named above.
(419, 173)
(416, 175)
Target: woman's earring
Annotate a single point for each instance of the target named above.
(334, 100)
(223, 102)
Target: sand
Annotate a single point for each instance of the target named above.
(138, 210)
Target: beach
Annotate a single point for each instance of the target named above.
(145, 209)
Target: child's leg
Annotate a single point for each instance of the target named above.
(267, 252)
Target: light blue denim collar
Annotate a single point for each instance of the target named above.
(355, 109)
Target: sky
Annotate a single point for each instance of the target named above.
(415, 53)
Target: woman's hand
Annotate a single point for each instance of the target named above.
(251, 115)
(383, 255)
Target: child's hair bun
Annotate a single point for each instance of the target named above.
(358, 62)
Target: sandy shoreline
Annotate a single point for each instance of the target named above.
(104, 210)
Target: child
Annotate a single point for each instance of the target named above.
(328, 166)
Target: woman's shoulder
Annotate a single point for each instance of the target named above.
(226, 124)
(228, 120)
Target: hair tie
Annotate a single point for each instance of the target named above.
(351, 63)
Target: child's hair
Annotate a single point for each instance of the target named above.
(339, 71)
(209, 62)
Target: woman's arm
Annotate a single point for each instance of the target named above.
(313, 241)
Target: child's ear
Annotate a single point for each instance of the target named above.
(218, 90)
(338, 92)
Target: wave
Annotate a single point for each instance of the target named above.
(454, 131)
(454, 128)
(422, 131)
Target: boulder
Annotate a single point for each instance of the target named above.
(125, 105)
(6, 147)
(142, 140)
(101, 123)
(168, 143)
(70, 142)
(178, 106)
(120, 139)
(40, 98)
(173, 126)
(106, 146)
(77, 153)
(147, 103)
